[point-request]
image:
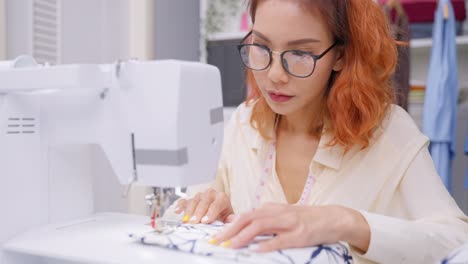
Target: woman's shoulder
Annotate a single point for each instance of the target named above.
(239, 122)
(240, 116)
(242, 113)
(398, 130)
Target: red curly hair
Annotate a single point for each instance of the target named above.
(358, 96)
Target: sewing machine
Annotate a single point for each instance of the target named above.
(64, 129)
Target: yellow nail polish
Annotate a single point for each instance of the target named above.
(226, 244)
(186, 218)
(212, 241)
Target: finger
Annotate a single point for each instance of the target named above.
(262, 226)
(191, 205)
(221, 203)
(180, 206)
(230, 230)
(206, 199)
(282, 241)
(231, 218)
(269, 210)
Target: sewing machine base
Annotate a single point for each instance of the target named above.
(102, 238)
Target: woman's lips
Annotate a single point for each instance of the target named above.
(280, 98)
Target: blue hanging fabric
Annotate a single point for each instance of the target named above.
(466, 153)
(440, 103)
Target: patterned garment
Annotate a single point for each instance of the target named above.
(458, 256)
(194, 239)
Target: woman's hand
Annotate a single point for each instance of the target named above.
(296, 226)
(206, 207)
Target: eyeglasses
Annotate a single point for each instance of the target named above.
(298, 63)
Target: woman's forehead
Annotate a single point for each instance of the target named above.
(285, 21)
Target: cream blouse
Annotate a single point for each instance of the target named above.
(393, 183)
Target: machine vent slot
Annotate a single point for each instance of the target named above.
(26, 125)
(46, 33)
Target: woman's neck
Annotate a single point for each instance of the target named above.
(302, 122)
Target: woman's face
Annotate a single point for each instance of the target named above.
(286, 25)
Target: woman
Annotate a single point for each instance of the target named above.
(319, 150)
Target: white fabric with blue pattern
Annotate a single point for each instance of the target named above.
(458, 256)
(194, 239)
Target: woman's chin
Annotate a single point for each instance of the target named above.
(279, 109)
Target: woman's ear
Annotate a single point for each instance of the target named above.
(339, 59)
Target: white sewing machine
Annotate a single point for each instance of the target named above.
(62, 128)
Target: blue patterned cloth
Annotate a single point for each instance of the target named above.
(466, 153)
(193, 239)
(458, 256)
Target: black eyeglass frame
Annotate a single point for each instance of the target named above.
(270, 52)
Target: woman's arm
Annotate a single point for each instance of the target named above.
(436, 225)
(357, 231)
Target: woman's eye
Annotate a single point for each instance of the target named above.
(261, 45)
(299, 53)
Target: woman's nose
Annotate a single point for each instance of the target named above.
(276, 72)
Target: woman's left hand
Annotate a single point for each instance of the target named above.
(296, 226)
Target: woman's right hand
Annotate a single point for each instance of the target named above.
(206, 207)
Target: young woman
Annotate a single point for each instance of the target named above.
(318, 149)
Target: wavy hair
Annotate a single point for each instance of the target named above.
(359, 96)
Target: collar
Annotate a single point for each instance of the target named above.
(329, 156)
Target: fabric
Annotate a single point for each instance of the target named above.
(413, 219)
(442, 161)
(440, 102)
(460, 255)
(466, 142)
(466, 153)
(194, 239)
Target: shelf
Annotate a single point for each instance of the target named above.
(427, 42)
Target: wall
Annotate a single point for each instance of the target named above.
(2, 30)
(94, 31)
(177, 29)
(18, 29)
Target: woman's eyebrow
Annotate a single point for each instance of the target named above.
(260, 35)
(290, 43)
(303, 41)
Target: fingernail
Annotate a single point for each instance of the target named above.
(254, 247)
(186, 218)
(204, 219)
(212, 241)
(226, 244)
(193, 218)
